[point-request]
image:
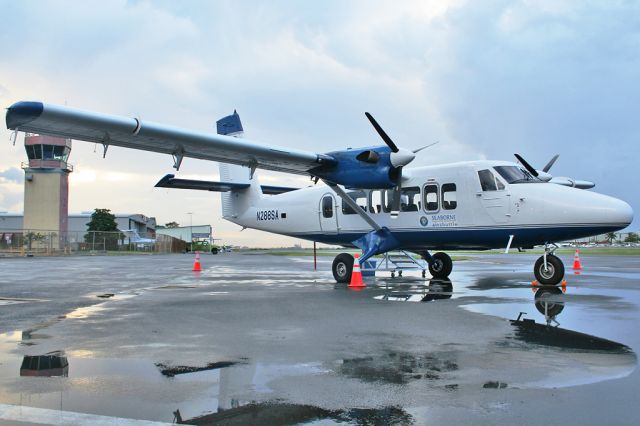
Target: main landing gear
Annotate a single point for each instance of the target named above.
(440, 266)
(342, 267)
(549, 269)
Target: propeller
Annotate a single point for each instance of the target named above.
(550, 163)
(545, 176)
(399, 158)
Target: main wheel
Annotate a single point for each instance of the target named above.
(441, 265)
(552, 274)
(342, 267)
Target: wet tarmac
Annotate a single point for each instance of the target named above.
(259, 339)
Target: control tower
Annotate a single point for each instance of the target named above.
(46, 187)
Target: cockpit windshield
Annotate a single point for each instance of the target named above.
(514, 174)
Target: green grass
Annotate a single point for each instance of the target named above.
(468, 254)
(328, 253)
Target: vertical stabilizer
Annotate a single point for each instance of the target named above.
(235, 202)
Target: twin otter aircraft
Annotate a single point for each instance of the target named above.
(369, 200)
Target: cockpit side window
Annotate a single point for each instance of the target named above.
(487, 180)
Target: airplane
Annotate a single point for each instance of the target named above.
(370, 200)
(135, 238)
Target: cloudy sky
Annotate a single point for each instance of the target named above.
(485, 78)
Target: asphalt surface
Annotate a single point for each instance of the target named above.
(261, 339)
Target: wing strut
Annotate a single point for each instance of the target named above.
(354, 206)
(378, 241)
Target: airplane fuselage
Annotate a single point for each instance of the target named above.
(468, 205)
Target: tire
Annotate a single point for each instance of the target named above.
(342, 267)
(441, 265)
(555, 271)
(214, 250)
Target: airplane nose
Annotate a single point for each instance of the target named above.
(618, 213)
(625, 213)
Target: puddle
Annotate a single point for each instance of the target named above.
(400, 367)
(273, 413)
(584, 357)
(172, 371)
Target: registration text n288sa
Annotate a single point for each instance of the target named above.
(267, 215)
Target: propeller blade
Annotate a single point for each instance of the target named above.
(527, 165)
(415, 151)
(382, 133)
(550, 163)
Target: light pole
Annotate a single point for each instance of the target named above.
(190, 230)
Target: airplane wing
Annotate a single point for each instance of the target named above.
(62, 121)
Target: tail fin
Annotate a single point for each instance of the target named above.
(235, 202)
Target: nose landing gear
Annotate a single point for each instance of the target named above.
(549, 269)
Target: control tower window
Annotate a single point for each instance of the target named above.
(34, 152)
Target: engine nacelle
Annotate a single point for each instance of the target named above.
(368, 168)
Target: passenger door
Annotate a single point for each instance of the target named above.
(495, 196)
(328, 214)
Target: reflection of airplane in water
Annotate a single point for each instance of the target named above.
(550, 303)
(548, 300)
(48, 365)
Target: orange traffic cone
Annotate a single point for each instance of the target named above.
(576, 261)
(356, 275)
(196, 263)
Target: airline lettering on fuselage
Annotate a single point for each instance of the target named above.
(267, 215)
(443, 220)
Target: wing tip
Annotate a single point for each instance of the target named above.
(23, 112)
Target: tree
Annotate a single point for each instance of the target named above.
(611, 237)
(103, 229)
(632, 237)
(172, 225)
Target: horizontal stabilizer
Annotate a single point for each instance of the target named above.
(169, 181)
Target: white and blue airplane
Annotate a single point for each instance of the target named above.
(370, 201)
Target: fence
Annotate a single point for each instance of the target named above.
(42, 242)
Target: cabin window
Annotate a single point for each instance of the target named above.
(376, 201)
(360, 197)
(410, 199)
(489, 181)
(327, 206)
(431, 197)
(449, 198)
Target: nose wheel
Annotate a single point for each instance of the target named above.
(549, 272)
